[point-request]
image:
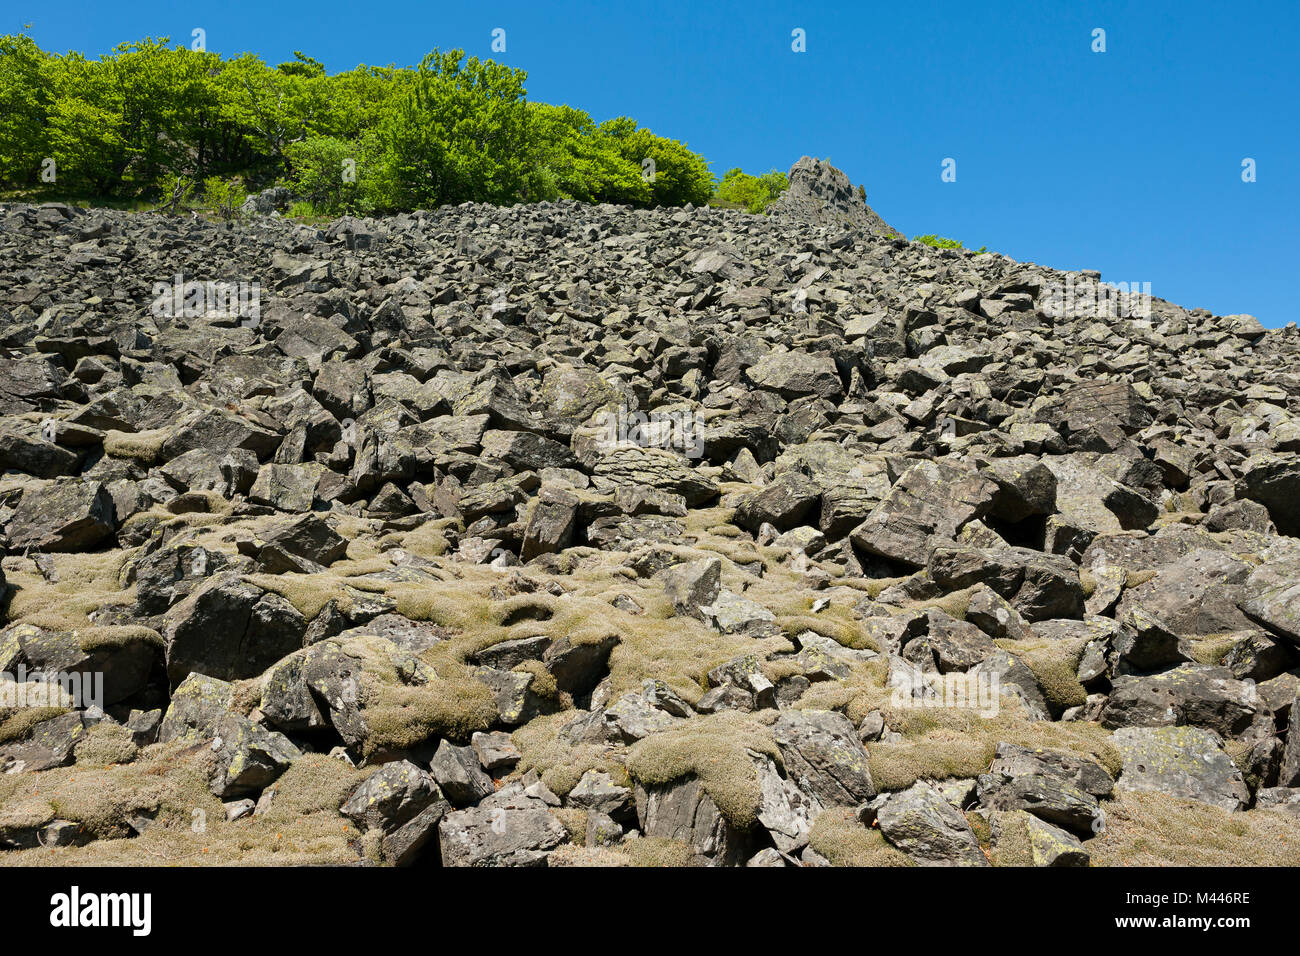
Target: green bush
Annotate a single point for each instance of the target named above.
(458, 132)
(751, 192)
(338, 175)
(577, 160)
(939, 242)
(676, 176)
(224, 197)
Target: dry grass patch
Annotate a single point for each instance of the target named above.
(839, 837)
(143, 447)
(714, 748)
(87, 583)
(659, 852)
(17, 723)
(302, 826)
(560, 764)
(1055, 664)
(1153, 829)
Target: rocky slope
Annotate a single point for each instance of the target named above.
(566, 535)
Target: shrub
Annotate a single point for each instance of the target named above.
(175, 191)
(224, 197)
(939, 242)
(754, 193)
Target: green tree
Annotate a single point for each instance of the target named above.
(25, 96)
(145, 118)
(460, 133)
(575, 160)
(85, 127)
(272, 108)
(676, 175)
(336, 175)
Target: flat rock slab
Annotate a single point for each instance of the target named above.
(1187, 762)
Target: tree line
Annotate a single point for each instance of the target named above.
(167, 124)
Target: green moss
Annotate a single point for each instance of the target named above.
(835, 622)
(943, 743)
(86, 584)
(954, 604)
(863, 691)
(574, 821)
(25, 814)
(1133, 579)
(572, 855)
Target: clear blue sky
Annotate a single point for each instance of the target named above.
(1127, 161)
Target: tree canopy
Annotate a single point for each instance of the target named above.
(147, 119)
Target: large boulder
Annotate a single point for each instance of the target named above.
(684, 811)
(499, 836)
(72, 515)
(929, 829)
(231, 630)
(925, 509)
(824, 757)
(821, 194)
(1187, 762)
(403, 803)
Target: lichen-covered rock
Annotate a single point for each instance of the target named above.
(63, 516)
(1272, 597)
(457, 772)
(930, 501)
(925, 826)
(229, 629)
(499, 836)
(824, 757)
(1191, 694)
(1052, 846)
(403, 803)
(1187, 762)
(693, 585)
(249, 757)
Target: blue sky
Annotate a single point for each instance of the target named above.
(1127, 161)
